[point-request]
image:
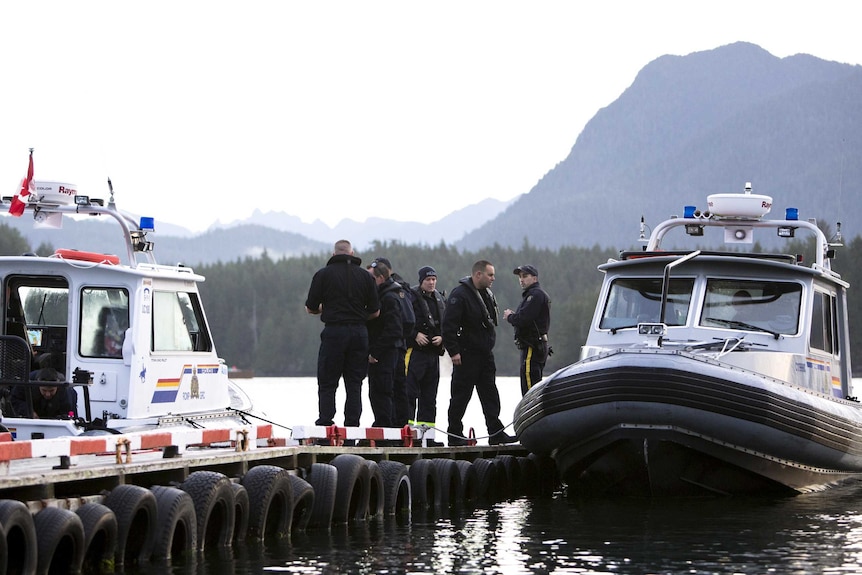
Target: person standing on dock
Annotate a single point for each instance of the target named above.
(345, 297)
(531, 321)
(423, 353)
(469, 334)
(384, 341)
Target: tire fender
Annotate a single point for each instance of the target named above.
(423, 483)
(303, 503)
(100, 537)
(270, 496)
(135, 508)
(323, 479)
(512, 475)
(60, 534)
(529, 476)
(212, 495)
(178, 527)
(397, 488)
(20, 535)
(242, 506)
(469, 481)
(351, 493)
(486, 479)
(376, 493)
(448, 479)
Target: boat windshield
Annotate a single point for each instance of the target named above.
(638, 300)
(755, 305)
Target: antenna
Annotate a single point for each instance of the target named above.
(111, 204)
(837, 240)
(642, 238)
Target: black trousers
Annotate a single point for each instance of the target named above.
(380, 387)
(343, 353)
(532, 366)
(477, 370)
(423, 379)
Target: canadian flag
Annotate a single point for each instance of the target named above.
(28, 187)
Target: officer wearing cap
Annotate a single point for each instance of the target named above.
(531, 320)
(423, 354)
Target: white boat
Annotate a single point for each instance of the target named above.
(129, 336)
(722, 372)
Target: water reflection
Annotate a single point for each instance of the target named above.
(816, 533)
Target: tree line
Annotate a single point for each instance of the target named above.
(255, 306)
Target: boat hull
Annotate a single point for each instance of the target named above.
(655, 422)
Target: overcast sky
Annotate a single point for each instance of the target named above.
(205, 111)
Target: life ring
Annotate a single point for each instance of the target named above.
(178, 527)
(270, 496)
(100, 537)
(469, 481)
(423, 483)
(20, 538)
(303, 503)
(212, 495)
(60, 534)
(397, 488)
(448, 482)
(351, 493)
(323, 479)
(376, 493)
(242, 506)
(486, 479)
(135, 508)
(94, 257)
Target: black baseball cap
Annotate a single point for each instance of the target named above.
(526, 270)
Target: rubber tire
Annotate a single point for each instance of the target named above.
(512, 473)
(423, 483)
(178, 526)
(60, 534)
(303, 503)
(486, 479)
(529, 476)
(135, 508)
(351, 494)
(214, 507)
(100, 538)
(376, 493)
(242, 505)
(4, 552)
(398, 498)
(21, 546)
(270, 495)
(448, 479)
(547, 469)
(469, 482)
(323, 479)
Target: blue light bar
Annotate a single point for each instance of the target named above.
(791, 213)
(688, 211)
(148, 224)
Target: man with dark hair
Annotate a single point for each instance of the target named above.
(469, 324)
(531, 321)
(50, 401)
(345, 297)
(423, 353)
(385, 339)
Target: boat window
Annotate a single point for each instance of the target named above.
(104, 321)
(755, 305)
(37, 309)
(178, 323)
(635, 300)
(823, 324)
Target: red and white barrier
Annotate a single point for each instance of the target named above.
(336, 435)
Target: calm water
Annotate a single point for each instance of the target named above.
(816, 533)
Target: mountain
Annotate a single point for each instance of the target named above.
(448, 229)
(694, 125)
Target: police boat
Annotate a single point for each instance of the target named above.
(707, 372)
(129, 336)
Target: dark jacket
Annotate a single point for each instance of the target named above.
(532, 319)
(469, 322)
(346, 290)
(428, 307)
(384, 331)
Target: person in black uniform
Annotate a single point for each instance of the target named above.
(531, 320)
(345, 297)
(384, 341)
(423, 354)
(50, 401)
(469, 325)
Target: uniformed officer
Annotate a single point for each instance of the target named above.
(531, 320)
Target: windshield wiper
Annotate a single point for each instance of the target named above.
(742, 325)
